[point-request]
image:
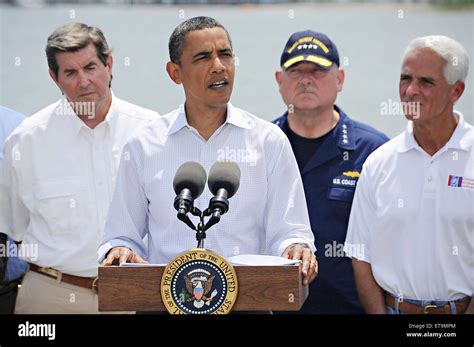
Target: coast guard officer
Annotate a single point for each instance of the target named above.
(330, 149)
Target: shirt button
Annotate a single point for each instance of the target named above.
(430, 178)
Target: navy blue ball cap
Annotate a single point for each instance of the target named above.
(312, 47)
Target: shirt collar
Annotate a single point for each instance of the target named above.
(234, 117)
(345, 131)
(458, 140)
(343, 134)
(68, 114)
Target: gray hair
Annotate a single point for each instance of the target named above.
(452, 52)
(176, 42)
(73, 37)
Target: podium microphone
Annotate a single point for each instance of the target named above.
(223, 182)
(188, 184)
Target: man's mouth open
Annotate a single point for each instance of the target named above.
(218, 84)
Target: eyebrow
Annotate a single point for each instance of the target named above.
(202, 54)
(208, 53)
(92, 63)
(422, 78)
(428, 80)
(225, 50)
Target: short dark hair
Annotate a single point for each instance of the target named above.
(178, 36)
(73, 37)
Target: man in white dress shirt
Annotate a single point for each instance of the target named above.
(411, 228)
(59, 174)
(268, 214)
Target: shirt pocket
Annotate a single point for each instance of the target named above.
(341, 194)
(339, 204)
(57, 202)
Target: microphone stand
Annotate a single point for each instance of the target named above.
(200, 231)
(200, 234)
(202, 226)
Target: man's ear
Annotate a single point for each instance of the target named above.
(54, 78)
(174, 72)
(341, 75)
(458, 90)
(278, 77)
(110, 63)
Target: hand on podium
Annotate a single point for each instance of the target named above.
(309, 267)
(119, 255)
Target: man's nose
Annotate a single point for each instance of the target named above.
(307, 76)
(217, 65)
(306, 80)
(412, 89)
(83, 80)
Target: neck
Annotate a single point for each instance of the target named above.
(433, 135)
(92, 119)
(206, 120)
(311, 124)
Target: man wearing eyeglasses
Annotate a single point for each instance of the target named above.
(330, 149)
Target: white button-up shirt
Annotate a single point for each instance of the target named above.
(413, 217)
(267, 214)
(59, 177)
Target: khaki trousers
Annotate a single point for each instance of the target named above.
(43, 294)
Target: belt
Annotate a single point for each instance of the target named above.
(409, 308)
(84, 282)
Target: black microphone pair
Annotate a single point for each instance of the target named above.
(189, 182)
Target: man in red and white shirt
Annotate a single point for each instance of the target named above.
(411, 228)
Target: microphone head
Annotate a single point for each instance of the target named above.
(224, 174)
(190, 175)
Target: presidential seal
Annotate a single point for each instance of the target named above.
(199, 281)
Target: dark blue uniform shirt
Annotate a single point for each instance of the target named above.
(329, 178)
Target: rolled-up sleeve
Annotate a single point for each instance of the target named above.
(127, 223)
(286, 214)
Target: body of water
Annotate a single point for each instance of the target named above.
(371, 39)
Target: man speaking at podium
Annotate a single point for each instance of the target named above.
(268, 214)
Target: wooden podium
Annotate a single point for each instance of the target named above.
(261, 288)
